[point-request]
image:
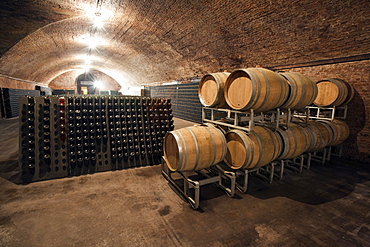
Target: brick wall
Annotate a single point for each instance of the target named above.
(164, 40)
(68, 81)
(357, 146)
(11, 83)
(64, 81)
(210, 36)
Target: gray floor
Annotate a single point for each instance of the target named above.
(325, 206)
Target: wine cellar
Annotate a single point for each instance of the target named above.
(184, 123)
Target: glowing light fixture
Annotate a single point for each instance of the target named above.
(98, 14)
(92, 44)
(98, 23)
(89, 10)
(91, 41)
(93, 12)
(87, 57)
(98, 84)
(86, 68)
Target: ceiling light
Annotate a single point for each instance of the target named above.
(89, 10)
(86, 68)
(98, 22)
(86, 57)
(98, 84)
(93, 12)
(92, 44)
(103, 14)
(91, 41)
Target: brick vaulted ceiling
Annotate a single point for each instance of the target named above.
(146, 41)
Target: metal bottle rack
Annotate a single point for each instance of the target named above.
(190, 188)
(72, 135)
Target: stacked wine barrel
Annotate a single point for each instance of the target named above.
(262, 90)
(74, 135)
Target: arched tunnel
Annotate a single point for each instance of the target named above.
(142, 43)
(161, 49)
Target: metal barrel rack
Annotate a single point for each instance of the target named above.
(245, 120)
(267, 173)
(222, 179)
(298, 163)
(229, 179)
(324, 155)
(335, 151)
(320, 156)
(231, 118)
(322, 113)
(276, 118)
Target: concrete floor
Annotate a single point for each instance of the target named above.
(326, 206)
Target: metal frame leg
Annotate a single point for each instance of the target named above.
(242, 187)
(309, 158)
(315, 156)
(209, 176)
(291, 163)
(226, 175)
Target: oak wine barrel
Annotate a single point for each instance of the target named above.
(211, 90)
(334, 92)
(340, 131)
(302, 90)
(194, 148)
(256, 149)
(255, 88)
(296, 140)
(320, 136)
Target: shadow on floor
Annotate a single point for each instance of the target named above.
(320, 184)
(9, 170)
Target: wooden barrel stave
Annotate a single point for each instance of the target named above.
(340, 131)
(303, 91)
(194, 148)
(257, 149)
(333, 92)
(295, 141)
(320, 136)
(255, 88)
(211, 90)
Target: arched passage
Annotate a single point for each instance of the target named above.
(87, 84)
(68, 81)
